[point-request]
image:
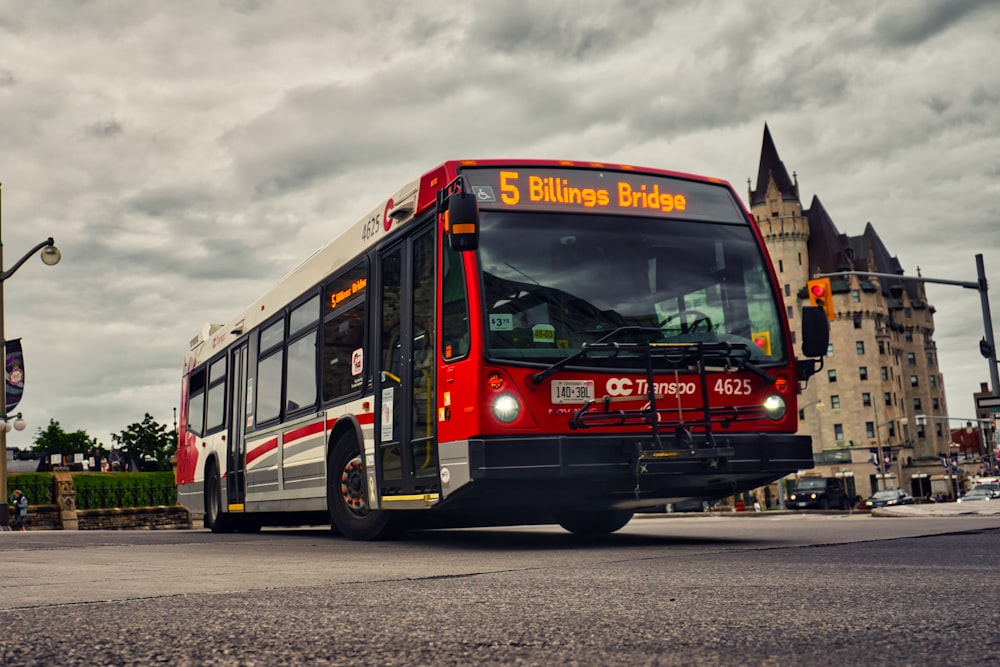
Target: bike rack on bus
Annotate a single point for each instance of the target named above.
(684, 424)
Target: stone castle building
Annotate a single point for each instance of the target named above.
(881, 370)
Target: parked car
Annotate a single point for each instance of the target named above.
(991, 487)
(693, 505)
(889, 498)
(818, 493)
(977, 493)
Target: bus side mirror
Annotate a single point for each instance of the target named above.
(461, 221)
(815, 331)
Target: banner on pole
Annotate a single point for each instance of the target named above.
(14, 373)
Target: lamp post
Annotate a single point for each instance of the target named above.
(50, 255)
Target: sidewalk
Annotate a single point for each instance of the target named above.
(976, 508)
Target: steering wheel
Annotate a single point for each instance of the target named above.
(689, 320)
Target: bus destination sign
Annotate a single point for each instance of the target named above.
(596, 190)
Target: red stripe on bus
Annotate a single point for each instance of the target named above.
(304, 431)
(262, 449)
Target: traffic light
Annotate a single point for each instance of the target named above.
(821, 295)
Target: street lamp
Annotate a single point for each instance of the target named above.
(50, 256)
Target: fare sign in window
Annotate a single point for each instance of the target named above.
(602, 191)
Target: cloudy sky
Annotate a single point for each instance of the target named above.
(185, 155)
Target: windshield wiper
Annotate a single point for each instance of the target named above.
(585, 349)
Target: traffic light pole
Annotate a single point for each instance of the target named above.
(987, 346)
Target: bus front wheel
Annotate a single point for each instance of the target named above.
(347, 496)
(600, 522)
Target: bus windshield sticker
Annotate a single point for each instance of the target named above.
(501, 322)
(543, 333)
(596, 191)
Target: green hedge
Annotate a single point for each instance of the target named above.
(101, 490)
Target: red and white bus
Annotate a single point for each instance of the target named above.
(503, 341)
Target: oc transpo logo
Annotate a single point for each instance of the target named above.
(628, 387)
(619, 387)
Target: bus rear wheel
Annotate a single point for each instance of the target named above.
(601, 522)
(347, 496)
(214, 517)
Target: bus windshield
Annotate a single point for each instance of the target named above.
(554, 281)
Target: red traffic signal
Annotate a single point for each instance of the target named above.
(821, 295)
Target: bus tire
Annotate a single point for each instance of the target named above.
(600, 522)
(215, 519)
(347, 496)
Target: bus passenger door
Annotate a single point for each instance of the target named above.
(236, 443)
(405, 428)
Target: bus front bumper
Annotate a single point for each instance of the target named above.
(625, 470)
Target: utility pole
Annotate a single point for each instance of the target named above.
(987, 346)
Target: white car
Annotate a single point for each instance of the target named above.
(977, 493)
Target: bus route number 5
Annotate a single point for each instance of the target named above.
(509, 192)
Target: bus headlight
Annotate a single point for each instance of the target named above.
(506, 408)
(774, 406)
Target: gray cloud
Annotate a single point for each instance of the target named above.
(186, 155)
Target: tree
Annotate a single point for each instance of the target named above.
(146, 441)
(54, 440)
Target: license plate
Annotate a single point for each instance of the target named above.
(572, 391)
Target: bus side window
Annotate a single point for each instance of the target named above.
(455, 306)
(215, 406)
(196, 402)
(343, 353)
(343, 357)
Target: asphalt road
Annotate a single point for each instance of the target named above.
(783, 589)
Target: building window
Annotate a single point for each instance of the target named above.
(860, 346)
(870, 429)
(930, 358)
(857, 321)
(838, 432)
(885, 373)
(914, 381)
(881, 347)
(937, 405)
(866, 399)
(790, 311)
(788, 289)
(933, 379)
(916, 404)
(906, 313)
(911, 359)
(863, 372)
(888, 398)
(829, 350)
(908, 336)
(835, 402)
(831, 375)
(937, 429)
(781, 266)
(855, 296)
(920, 431)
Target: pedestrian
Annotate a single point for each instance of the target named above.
(20, 509)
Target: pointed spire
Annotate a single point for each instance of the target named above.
(771, 167)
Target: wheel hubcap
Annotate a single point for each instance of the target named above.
(352, 485)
